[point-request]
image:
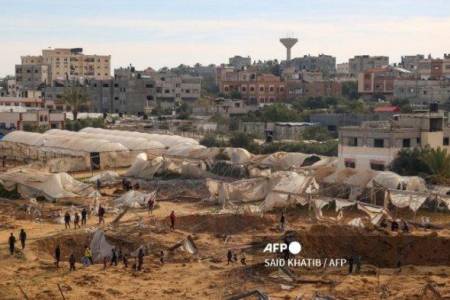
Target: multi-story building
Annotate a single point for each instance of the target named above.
(31, 119)
(250, 86)
(72, 63)
(422, 91)
(411, 62)
(132, 91)
(343, 69)
(379, 82)
(362, 63)
(276, 130)
(6, 103)
(32, 77)
(435, 68)
(326, 64)
(239, 62)
(374, 145)
(317, 88)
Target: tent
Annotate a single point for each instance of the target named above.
(133, 199)
(391, 180)
(31, 183)
(100, 247)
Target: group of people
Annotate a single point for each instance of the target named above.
(127, 185)
(12, 241)
(395, 225)
(76, 219)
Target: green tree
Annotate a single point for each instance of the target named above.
(243, 140)
(317, 133)
(438, 161)
(350, 90)
(75, 97)
(409, 162)
(184, 110)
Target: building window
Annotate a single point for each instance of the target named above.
(350, 163)
(150, 86)
(377, 166)
(352, 142)
(378, 143)
(446, 141)
(418, 141)
(406, 143)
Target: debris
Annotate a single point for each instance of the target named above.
(256, 293)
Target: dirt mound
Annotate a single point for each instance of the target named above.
(75, 243)
(223, 223)
(375, 248)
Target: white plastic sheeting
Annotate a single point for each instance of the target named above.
(100, 247)
(356, 222)
(283, 161)
(341, 203)
(146, 168)
(237, 155)
(68, 142)
(133, 199)
(407, 199)
(391, 180)
(106, 178)
(166, 140)
(31, 183)
(131, 143)
(281, 189)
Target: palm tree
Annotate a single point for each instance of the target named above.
(76, 97)
(438, 161)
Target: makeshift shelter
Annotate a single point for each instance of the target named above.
(167, 140)
(105, 178)
(146, 168)
(31, 183)
(133, 199)
(391, 180)
(100, 247)
(284, 161)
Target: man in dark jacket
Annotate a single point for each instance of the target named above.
(12, 243)
(72, 261)
(23, 238)
(67, 220)
(83, 216)
(57, 255)
(101, 215)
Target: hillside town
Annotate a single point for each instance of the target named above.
(298, 177)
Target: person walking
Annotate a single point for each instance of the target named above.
(125, 260)
(101, 215)
(282, 222)
(172, 220)
(88, 254)
(140, 259)
(229, 257)
(76, 221)
(151, 205)
(83, 216)
(12, 243)
(113, 257)
(22, 238)
(72, 261)
(67, 220)
(57, 255)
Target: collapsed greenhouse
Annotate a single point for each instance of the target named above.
(66, 151)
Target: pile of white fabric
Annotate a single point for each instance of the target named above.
(32, 183)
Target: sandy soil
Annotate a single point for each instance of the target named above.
(423, 273)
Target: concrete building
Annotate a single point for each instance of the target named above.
(374, 145)
(362, 63)
(253, 87)
(422, 91)
(277, 130)
(379, 82)
(239, 62)
(31, 119)
(435, 68)
(230, 107)
(326, 64)
(308, 89)
(72, 63)
(411, 62)
(333, 121)
(343, 69)
(26, 102)
(132, 91)
(32, 77)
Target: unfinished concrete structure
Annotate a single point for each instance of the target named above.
(374, 145)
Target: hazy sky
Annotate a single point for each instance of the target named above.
(170, 32)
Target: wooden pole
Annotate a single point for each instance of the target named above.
(23, 292)
(60, 290)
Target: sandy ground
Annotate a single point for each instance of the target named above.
(207, 274)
